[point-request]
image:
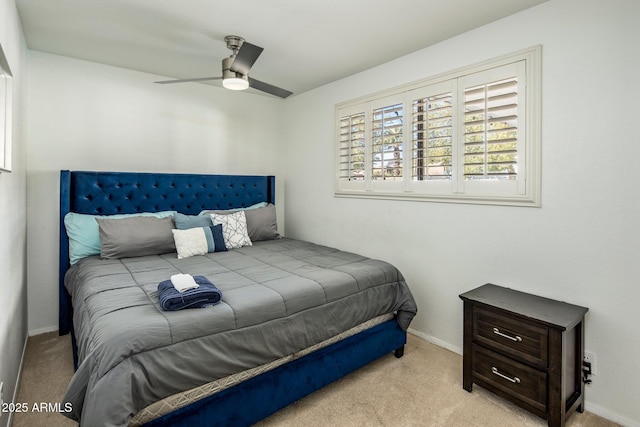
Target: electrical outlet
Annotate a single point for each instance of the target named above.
(590, 357)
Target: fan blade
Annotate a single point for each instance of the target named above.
(245, 58)
(197, 79)
(266, 87)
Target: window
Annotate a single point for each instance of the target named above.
(5, 113)
(470, 136)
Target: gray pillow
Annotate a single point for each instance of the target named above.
(184, 222)
(261, 222)
(135, 236)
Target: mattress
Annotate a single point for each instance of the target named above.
(279, 298)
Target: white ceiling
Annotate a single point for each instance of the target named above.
(306, 43)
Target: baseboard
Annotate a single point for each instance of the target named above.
(611, 416)
(44, 330)
(431, 339)
(18, 379)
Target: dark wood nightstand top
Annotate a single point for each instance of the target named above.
(557, 314)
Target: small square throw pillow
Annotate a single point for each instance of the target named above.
(234, 229)
(198, 241)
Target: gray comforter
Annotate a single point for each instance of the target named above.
(279, 297)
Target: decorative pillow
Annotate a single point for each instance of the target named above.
(199, 241)
(135, 236)
(262, 224)
(234, 229)
(184, 222)
(84, 235)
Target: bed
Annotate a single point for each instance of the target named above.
(322, 314)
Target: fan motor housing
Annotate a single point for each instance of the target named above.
(226, 69)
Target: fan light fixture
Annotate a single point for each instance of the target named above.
(235, 69)
(235, 83)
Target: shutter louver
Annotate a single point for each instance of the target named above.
(386, 143)
(491, 131)
(352, 146)
(432, 138)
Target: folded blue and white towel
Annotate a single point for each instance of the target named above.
(206, 294)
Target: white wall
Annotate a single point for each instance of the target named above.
(13, 227)
(582, 246)
(87, 116)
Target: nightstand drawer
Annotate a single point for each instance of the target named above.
(511, 335)
(508, 376)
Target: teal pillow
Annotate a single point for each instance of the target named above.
(184, 222)
(84, 234)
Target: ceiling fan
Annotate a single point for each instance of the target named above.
(235, 69)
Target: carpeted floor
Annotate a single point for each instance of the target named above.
(423, 388)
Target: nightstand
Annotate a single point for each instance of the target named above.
(526, 349)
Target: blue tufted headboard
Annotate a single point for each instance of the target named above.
(107, 193)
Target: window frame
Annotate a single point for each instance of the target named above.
(522, 191)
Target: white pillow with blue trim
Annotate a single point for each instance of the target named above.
(198, 241)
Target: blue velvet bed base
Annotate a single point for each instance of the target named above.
(261, 396)
(105, 193)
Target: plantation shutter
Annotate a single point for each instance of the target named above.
(491, 130)
(352, 147)
(432, 138)
(386, 142)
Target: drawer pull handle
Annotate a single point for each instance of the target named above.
(514, 380)
(516, 338)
